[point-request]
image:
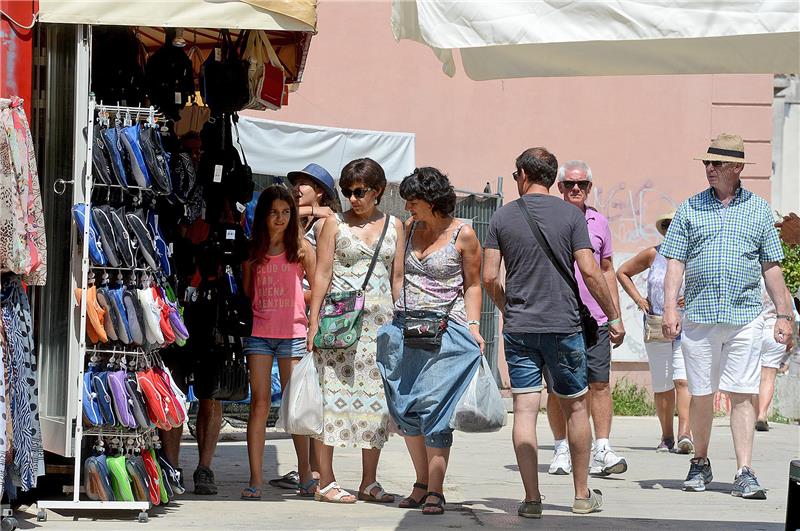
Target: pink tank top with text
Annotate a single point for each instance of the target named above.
(279, 311)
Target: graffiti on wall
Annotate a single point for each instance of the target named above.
(632, 212)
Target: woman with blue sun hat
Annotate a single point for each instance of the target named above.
(315, 193)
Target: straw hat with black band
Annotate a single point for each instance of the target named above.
(663, 222)
(726, 148)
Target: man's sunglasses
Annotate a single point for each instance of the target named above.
(359, 193)
(583, 185)
(715, 163)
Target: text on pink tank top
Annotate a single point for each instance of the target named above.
(279, 311)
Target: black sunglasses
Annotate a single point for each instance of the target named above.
(515, 175)
(583, 185)
(715, 163)
(359, 193)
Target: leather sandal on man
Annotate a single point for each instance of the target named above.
(434, 508)
(409, 502)
(341, 496)
(380, 495)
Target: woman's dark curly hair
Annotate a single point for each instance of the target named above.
(432, 186)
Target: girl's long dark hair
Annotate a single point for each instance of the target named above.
(292, 237)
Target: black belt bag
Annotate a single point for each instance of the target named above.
(425, 328)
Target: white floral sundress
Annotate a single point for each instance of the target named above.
(354, 403)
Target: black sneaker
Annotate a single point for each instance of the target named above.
(204, 481)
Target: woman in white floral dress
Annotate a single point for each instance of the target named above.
(355, 413)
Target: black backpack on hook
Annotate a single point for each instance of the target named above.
(170, 80)
(223, 78)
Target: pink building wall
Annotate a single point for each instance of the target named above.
(638, 133)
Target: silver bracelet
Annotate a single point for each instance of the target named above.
(470, 323)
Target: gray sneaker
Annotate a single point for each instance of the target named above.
(699, 475)
(745, 485)
(530, 509)
(204, 481)
(592, 504)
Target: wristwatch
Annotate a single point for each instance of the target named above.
(470, 323)
(784, 316)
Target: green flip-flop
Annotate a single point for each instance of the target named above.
(120, 480)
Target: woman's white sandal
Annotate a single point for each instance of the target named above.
(366, 494)
(337, 498)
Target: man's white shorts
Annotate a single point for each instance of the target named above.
(722, 357)
(772, 352)
(666, 364)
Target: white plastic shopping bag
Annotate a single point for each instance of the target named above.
(480, 409)
(301, 408)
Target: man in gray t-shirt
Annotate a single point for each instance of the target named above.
(542, 327)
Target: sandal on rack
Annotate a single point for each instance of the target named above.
(251, 493)
(306, 490)
(409, 502)
(434, 508)
(341, 496)
(379, 497)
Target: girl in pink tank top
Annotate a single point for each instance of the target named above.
(273, 278)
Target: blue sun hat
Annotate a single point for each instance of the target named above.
(319, 175)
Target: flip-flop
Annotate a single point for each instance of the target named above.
(120, 480)
(251, 493)
(366, 494)
(307, 489)
(290, 481)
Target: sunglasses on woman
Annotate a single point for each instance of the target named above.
(359, 193)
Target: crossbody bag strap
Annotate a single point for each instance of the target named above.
(405, 256)
(568, 277)
(376, 253)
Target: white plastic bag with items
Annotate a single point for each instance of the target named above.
(301, 408)
(480, 409)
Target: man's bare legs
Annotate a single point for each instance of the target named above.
(683, 400)
(580, 441)
(209, 423)
(665, 411)
(743, 419)
(701, 415)
(766, 389)
(526, 410)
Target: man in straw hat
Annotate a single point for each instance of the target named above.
(725, 241)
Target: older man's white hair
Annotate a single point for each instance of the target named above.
(574, 165)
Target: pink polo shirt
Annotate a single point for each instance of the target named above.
(600, 236)
(279, 311)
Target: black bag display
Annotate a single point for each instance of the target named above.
(170, 81)
(224, 375)
(117, 76)
(223, 78)
(588, 322)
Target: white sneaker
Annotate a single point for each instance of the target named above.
(605, 461)
(562, 464)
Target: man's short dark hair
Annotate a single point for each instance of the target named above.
(432, 186)
(540, 166)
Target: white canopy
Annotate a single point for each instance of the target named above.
(510, 38)
(276, 148)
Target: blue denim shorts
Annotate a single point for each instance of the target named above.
(423, 386)
(279, 348)
(564, 355)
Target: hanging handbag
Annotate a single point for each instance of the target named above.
(273, 82)
(223, 82)
(342, 312)
(588, 322)
(225, 375)
(423, 328)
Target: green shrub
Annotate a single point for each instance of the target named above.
(631, 400)
(791, 267)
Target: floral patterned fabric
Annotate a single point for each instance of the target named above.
(23, 248)
(354, 403)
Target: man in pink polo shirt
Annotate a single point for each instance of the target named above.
(575, 184)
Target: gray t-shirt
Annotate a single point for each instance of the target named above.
(538, 300)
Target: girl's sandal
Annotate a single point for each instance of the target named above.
(251, 493)
(339, 497)
(409, 502)
(379, 497)
(307, 490)
(434, 509)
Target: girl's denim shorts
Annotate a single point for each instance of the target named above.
(423, 386)
(279, 348)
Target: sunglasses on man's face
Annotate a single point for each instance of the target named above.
(359, 193)
(515, 175)
(715, 163)
(583, 185)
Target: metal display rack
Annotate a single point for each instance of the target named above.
(80, 433)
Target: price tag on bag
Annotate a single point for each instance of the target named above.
(240, 207)
(178, 98)
(230, 234)
(218, 54)
(218, 173)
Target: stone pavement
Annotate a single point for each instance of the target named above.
(483, 489)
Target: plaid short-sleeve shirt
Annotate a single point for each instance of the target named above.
(723, 248)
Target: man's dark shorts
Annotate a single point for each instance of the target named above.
(528, 355)
(598, 358)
